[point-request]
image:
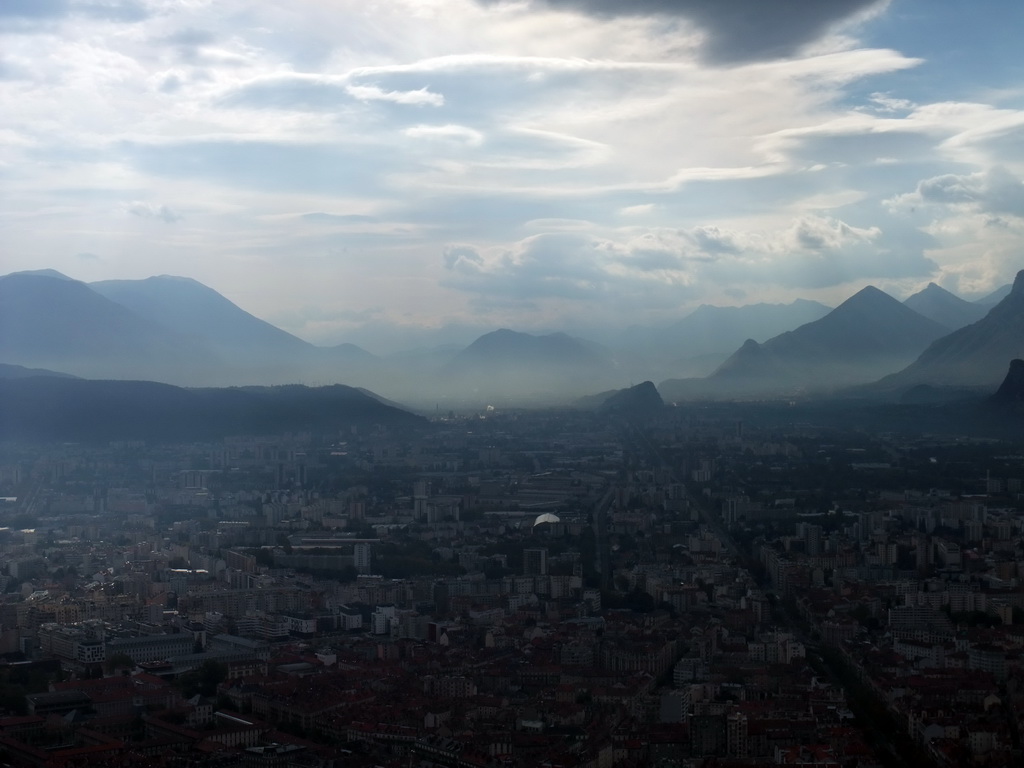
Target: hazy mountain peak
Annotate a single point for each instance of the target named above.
(869, 293)
(508, 363)
(945, 308)
(194, 309)
(975, 355)
(62, 324)
(9, 371)
(869, 334)
(866, 301)
(178, 278)
(1018, 284)
(45, 273)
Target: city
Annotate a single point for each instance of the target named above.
(511, 384)
(548, 588)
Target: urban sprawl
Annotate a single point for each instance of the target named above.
(547, 588)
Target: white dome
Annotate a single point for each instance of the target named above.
(547, 517)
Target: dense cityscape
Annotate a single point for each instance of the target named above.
(511, 384)
(522, 588)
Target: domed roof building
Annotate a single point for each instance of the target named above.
(547, 517)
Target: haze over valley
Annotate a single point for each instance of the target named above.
(511, 383)
(175, 330)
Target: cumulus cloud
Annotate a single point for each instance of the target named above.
(666, 266)
(816, 234)
(738, 30)
(994, 191)
(556, 264)
(713, 240)
(463, 258)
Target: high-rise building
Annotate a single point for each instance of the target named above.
(535, 562)
(736, 734)
(812, 539)
(361, 556)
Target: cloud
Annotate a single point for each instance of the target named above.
(34, 8)
(111, 10)
(151, 211)
(170, 82)
(642, 209)
(995, 191)
(665, 267)
(189, 37)
(557, 264)
(318, 92)
(813, 233)
(975, 222)
(419, 97)
(459, 133)
(464, 259)
(712, 240)
(339, 218)
(11, 70)
(572, 155)
(267, 166)
(737, 30)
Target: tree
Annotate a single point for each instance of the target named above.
(265, 557)
(118, 661)
(203, 680)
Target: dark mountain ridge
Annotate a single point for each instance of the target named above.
(48, 408)
(641, 400)
(1011, 391)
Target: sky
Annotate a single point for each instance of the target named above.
(399, 172)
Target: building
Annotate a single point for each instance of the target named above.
(535, 562)
(150, 647)
(362, 555)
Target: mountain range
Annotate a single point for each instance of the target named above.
(56, 408)
(945, 308)
(178, 331)
(701, 341)
(974, 356)
(868, 336)
(873, 346)
(506, 364)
